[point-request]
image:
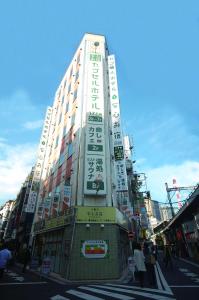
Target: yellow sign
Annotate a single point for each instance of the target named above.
(57, 222)
(95, 214)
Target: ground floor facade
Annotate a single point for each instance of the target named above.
(89, 243)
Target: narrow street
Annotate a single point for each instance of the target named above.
(181, 282)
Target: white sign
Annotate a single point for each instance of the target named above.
(95, 172)
(94, 249)
(39, 164)
(117, 136)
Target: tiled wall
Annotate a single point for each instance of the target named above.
(82, 268)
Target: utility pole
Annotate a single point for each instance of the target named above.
(169, 199)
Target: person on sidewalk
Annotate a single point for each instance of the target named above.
(150, 262)
(168, 257)
(5, 256)
(26, 258)
(139, 263)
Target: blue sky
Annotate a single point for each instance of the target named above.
(156, 47)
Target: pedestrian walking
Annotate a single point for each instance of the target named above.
(26, 258)
(168, 257)
(150, 262)
(131, 266)
(139, 263)
(5, 256)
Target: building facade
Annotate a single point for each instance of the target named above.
(81, 172)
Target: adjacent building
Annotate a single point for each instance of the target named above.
(80, 182)
(5, 211)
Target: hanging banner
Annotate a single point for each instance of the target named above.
(117, 136)
(30, 208)
(95, 171)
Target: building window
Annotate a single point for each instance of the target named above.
(71, 71)
(57, 141)
(60, 116)
(72, 120)
(75, 95)
(62, 101)
(65, 83)
(67, 106)
(76, 76)
(69, 88)
(70, 149)
(78, 59)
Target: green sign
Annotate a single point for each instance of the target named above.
(92, 118)
(119, 153)
(92, 185)
(95, 57)
(97, 148)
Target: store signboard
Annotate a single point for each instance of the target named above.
(95, 214)
(95, 170)
(94, 248)
(117, 136)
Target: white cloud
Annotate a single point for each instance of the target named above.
(15, 164)
(33, 125)
(186, 173)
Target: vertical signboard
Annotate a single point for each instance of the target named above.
(39, 164)
(95, 173)
(117, 137)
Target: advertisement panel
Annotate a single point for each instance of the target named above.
(94, 248)
(95, 172)
(95, 214)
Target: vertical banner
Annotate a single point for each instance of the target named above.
(47, 206)
(55, 204)
(95, 171)
(117, 137)
(66, 198)
(39, 165)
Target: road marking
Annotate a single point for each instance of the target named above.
(192, 274)
(59, 297)
(110, 294)
(183, 270)
(139, 288)
(17, 283)
(83, 295)
(158, 279)
(185, 286)
(164, 283)
(19, 278)
(12, 274)
(129, 291)
(189, 262)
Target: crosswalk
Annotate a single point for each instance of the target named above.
(113, 291)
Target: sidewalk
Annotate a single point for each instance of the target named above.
(125, 278)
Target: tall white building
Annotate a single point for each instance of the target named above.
(81, 171)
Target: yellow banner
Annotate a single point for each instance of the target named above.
(95, 214)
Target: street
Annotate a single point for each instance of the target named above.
(181, 282)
